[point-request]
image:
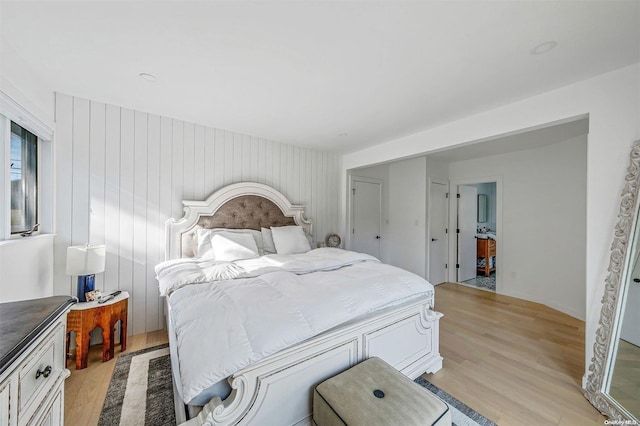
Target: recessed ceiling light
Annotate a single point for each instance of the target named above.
(543, 48)
(148, 77)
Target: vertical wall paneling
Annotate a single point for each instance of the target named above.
(166, 192)
(228, 158)
(188, 161)
(199, 162)
(112, 196)
(209, 159)
(63, 156)
(314, 189)
(177, 179)
(97, 178)
(121, 174)
(140, 196)
(275, 176)
(218, 154)
(245, 159)
(153, 254)
(325, 189)
(127, 165)
(80, 164)
(309, 189)
(302, 184)
(254, 170)
(262, 161)
(284, 170)
(295, 181)
(267, 153)
(237, 157)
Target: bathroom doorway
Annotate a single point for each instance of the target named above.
(477, 225)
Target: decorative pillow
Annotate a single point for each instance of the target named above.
(267, 241)
(204, 239)
(230, 246)
(290, 240)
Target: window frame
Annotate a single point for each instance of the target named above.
(28, 176)
(10, 111)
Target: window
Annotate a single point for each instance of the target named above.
(24, 179)
(26, 171)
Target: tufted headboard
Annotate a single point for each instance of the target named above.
(245, 205)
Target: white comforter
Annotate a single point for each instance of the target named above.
(228, 315)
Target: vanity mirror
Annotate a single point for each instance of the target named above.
(483, 208)
(613, 382)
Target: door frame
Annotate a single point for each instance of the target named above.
(453, 216)
(349, 237)
(427, 251)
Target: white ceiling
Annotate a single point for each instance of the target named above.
(307, 72)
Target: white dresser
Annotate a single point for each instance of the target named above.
(32, 361)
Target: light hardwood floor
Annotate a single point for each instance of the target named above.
(85, 390)
(516, 362)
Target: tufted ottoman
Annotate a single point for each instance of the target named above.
(374, 393)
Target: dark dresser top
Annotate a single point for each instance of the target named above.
(22, 322)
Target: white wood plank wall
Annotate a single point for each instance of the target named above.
(120, 174)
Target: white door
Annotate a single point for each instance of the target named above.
(467, 224)
(631, 317)
(438, 213)
(367, 216)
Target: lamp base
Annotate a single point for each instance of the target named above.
(86, 283)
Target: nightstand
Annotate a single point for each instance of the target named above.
(84, 317)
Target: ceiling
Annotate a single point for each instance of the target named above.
(329, 75)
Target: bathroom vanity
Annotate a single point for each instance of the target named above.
(486, 249)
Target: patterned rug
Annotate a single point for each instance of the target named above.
(141, 390)
(141, 393)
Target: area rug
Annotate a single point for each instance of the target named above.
(141, 393)
(141, 390)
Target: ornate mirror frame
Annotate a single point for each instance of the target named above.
(607, 333)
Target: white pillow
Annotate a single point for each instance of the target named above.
(267, 241)
(230, 246)
(204, 239)
(290, 240)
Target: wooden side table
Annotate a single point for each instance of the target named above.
(84, 317)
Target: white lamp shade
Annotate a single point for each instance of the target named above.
(85, 260)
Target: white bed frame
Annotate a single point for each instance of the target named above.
(278, 389)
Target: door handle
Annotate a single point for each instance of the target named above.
(434, 239)
(377, 237)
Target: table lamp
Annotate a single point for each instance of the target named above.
(85, 261)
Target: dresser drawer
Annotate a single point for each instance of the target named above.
(5, 389)
(39, 373)
(53, 413)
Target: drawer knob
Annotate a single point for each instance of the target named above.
(46, 372)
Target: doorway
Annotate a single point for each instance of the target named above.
(477, 205)
(366, 215)
(437, 231)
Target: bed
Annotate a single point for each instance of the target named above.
(250, 339)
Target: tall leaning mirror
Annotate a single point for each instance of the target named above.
(613, 382)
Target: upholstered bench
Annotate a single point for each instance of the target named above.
(374, 393)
